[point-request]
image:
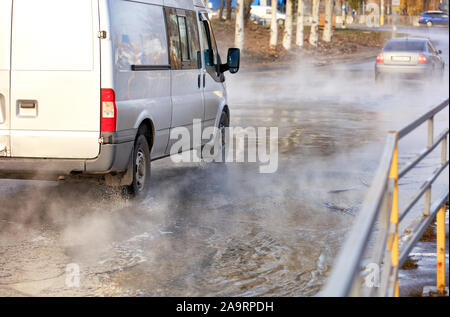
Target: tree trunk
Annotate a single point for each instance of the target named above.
(344, 14)
(229, 9)
(300, 23)
(274, 26)
(328, 29)
(247, 10)
(314, 34)
(287, 37)
(239, 34)
(222, 3)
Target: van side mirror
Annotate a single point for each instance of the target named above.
(233, 61)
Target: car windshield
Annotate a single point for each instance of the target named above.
(405, 46)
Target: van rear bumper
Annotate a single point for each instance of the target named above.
(112, 158)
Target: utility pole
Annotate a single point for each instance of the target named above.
(382, 12)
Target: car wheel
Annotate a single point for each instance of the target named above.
(141, 169)
(429, 24)
(377, 78)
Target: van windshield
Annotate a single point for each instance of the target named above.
(405, 46)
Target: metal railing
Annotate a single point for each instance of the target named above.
(376, 227)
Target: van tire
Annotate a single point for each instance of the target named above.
(224, 123)
(141, 169)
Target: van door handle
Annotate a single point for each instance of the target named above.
(204, 80)
(27, 104)
(199, 81)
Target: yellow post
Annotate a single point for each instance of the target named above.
(382, 12)
(440, 235)
(440, 278)
(393, 174)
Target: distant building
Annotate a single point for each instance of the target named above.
(215, 4)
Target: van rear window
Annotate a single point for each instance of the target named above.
(53, 35)
(139, 34)
(405, 46)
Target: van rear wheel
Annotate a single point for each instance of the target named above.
(141, 169)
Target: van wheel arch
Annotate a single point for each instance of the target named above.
(147, 129)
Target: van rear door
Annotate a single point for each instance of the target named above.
(55, 79)
(5, 63)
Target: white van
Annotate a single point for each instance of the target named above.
(94, 87)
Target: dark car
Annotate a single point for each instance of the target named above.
(431, 18)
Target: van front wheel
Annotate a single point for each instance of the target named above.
(141, 168)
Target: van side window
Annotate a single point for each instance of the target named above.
(210, 54)
(136, 40)
(183, 39)
(194, 42)
(173, 38)
(209, 45)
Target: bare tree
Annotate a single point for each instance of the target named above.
(229, 9)
(300, 23)
(247, 10)
(287, 38)
(239, 33)
(222, 3)
(328, 29)
(314, 34)
(274, 26)
(344, 14)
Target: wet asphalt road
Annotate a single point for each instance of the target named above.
(213, 230)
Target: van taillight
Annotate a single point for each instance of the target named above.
(380, 58)
(422, 59)
(108, 111)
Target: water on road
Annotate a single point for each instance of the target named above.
(223, 230)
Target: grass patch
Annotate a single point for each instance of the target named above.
(410, 264)
(430, 233)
